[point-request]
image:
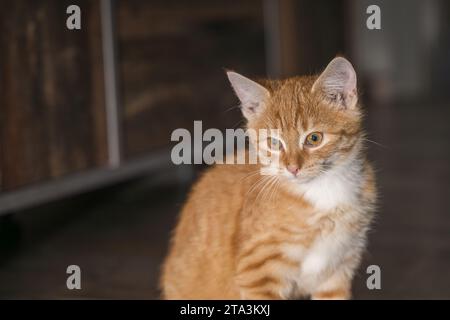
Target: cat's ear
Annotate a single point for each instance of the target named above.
(338, 83)
(252, 95)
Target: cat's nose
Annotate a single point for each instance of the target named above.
(293, 169)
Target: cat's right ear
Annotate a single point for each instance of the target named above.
(252, 95)
(338, 83)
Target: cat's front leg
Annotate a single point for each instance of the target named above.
(336, 287)
(266, 287)
(261, 272)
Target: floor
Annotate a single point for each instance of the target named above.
(118, 236)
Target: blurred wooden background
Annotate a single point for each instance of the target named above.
(52, 108)
(172, 60)
(60, 128)
(169, 59)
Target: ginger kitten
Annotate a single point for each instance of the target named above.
(298, 232)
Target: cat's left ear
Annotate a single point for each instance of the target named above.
(252, 95)
(338, 83)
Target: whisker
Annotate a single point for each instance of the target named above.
(231, 108)
(274, 189)
(264, 186)
(258, 182)
(270, 187)
(376, 143)
(238, 123)
(251, 174)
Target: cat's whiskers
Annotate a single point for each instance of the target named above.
(238, 123)
(251, 174)
(266, 188)
(263, 188)
(274, 189)
(231, 108)
(376, 143)
(260, 182)
(257, 183)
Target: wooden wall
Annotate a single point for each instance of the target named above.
(172, 56)
(51, 92)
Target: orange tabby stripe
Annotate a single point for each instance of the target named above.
(332, 294)
(262, 282)
(262, 259)
(258, 264)
(267, 243)
(265, 295)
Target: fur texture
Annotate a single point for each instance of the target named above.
(297, 232)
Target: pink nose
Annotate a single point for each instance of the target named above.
(293, 169)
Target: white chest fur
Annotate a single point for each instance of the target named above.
(324, 256)
(329, 193)
(337, 187)
(315, 262)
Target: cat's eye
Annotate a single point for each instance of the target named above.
(314, 139)
(274, 143)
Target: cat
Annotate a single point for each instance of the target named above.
(297, 232)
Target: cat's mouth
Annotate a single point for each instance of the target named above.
(298, 179)
(299, 176)
(302, 176)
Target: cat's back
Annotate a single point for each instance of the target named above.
(203, 245)
(223, 185)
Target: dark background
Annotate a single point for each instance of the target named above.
(66, 198)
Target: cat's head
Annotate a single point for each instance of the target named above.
(318, 119)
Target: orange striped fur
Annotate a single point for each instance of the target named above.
(241, 235)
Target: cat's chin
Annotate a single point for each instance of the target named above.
(298, 180)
